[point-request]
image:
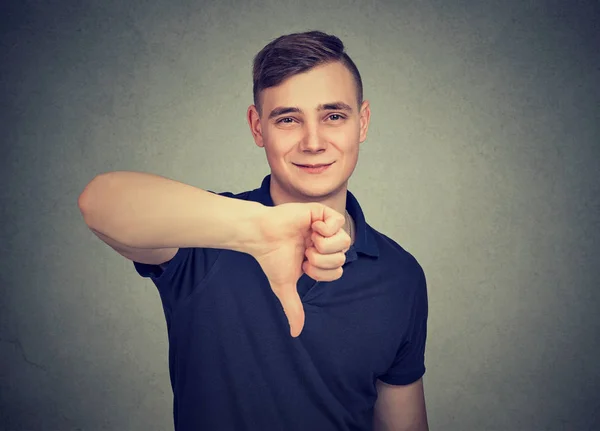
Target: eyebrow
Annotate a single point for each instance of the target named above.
(335, 106)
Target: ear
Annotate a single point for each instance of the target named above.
(365, 119)
(254, 122)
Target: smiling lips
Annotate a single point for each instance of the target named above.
(319, 165)
(314, 168)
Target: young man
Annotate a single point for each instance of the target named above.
(234, 270)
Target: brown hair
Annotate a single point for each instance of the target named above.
(296, 53)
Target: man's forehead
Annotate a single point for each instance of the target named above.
(314, 98)
(313, 89)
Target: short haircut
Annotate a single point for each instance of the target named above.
(295, 53)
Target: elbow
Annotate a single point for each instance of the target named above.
(89, 197)
(82, 201)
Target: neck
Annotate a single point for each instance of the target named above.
(335, 200)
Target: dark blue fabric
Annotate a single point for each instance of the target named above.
(233, 363)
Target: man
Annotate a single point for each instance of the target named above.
(231, 270)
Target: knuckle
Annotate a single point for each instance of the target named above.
(315, 259)
(336, 274)
(319, 245)
(335, 261)
(306, 267)
(324, 276)
(309, 252)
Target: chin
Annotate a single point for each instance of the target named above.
(315, 188)
(319, 191)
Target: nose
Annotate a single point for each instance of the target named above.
(312, 141)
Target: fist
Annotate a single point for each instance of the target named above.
(297, 238)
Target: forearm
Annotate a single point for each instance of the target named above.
(400, 407)
(143, 210)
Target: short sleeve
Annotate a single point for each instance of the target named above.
(409, 364)
(182, 274)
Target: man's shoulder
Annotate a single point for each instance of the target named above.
(259, 194)
(242, 195)
(394, 255)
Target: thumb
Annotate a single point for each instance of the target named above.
(292, 307)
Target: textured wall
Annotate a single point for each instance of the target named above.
(482, 160)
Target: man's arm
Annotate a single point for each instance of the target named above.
(147, 217)
(400, 407)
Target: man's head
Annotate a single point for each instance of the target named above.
(296, 53)
(308, 110)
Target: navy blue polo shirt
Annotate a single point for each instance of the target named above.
(234, 365)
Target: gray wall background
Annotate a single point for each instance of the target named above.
(482, 160)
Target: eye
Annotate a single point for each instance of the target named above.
(285, 120)
(336, 117)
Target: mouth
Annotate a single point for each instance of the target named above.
(315, 168)
(319, 165)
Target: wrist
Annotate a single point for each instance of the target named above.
(247, 236)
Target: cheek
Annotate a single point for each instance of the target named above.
(346, 137)
(281, 142)
(274, 151)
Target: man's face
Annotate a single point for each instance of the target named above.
(311, 118)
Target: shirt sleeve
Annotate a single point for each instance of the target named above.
(182, 274)
(409, 364)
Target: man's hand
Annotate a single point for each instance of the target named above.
(300, 238)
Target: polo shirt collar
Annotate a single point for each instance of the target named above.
(364, 242)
